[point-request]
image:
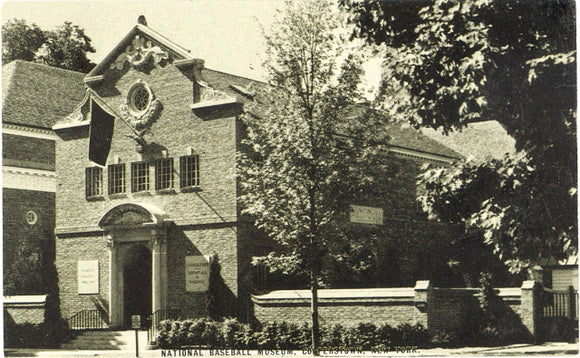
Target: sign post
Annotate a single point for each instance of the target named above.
(136, 325)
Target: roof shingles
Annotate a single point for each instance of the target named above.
(39, 95)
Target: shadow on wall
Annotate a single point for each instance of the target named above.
(219, 300)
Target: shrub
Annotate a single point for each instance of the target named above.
(384, 337)
(331, 337)
(283, 335)
(407, 335)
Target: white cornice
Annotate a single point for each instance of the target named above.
(24, 131)
(28, 179)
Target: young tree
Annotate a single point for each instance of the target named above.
(66, 47)
(453, 62)
(317, 148)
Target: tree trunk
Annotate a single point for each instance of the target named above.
(314, 311)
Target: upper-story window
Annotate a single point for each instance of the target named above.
(164, 174)
(116, 178)
(139, 177)
(189, 170)
(94, 181)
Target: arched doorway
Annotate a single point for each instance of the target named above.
(137, 284)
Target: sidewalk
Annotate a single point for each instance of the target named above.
(553, 348)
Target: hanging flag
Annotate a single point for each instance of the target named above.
(101, 134)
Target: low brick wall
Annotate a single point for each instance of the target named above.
(24, 309)
(437, 309)
(345, 306)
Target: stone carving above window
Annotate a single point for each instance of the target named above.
(141, 109)
(140, 53)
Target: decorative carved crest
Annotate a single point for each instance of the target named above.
(80, 112)
(126, 215)
(139, 53)
(144, 122)
(207, 93)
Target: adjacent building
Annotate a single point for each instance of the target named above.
(34, 97)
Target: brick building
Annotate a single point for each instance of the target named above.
(147, 191)
(34, 98)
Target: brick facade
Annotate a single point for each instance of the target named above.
(202, 221)
(194, 117)
(16, 204)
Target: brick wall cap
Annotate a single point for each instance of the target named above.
(509, 291)
(345, 293)
(27, 300)
(422, 285)
(528, 285)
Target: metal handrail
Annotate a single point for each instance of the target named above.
(87, 319)
(156, 318)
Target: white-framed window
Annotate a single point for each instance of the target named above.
(164, 174)
(94, 181)
(189, 171)
(139, 177)
(116, 178)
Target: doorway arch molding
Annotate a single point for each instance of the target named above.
(130, 215)
(135, 224)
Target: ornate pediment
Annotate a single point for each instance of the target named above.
(142, 48)
(130, 214)
(140, 53)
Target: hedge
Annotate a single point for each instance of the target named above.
(230, 333)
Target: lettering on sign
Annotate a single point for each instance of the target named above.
(366, 215)
(88, 277)
(136, 321)
(196, 273)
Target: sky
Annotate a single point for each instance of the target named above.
(225, 33)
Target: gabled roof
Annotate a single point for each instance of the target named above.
(408, 141)
(177, 52)
(404, 136)
(39, 95)
(480, 141)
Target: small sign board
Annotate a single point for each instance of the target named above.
(88, 277)
(136, 321)
(196, 273)
(366, 215)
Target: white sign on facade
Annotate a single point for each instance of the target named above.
(366, 215)
(88, 277)
(196, 273)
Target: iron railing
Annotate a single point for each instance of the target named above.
(560, 304)
(156, 318)
(87, 319)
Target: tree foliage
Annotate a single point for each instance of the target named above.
(450, 63)
(317, 147)
(65, 47)
(25, 275)
(20, 41)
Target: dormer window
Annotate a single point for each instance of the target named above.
(139, 99)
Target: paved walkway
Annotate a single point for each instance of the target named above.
(554, 348)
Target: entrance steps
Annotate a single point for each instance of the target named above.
(107, 340)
